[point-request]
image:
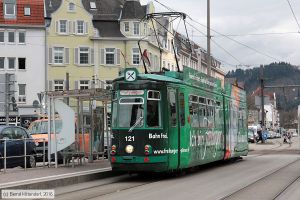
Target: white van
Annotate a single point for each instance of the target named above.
(254, 128)
(293, 132)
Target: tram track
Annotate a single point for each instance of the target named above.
(99, 189)
(270, 186)
(126, 182)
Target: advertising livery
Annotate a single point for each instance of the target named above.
(175, 120)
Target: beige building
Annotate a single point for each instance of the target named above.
(90, 42)
(118, 29)
(71, 53)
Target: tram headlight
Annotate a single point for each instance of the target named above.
(113, 150)
(148, 150)
(129, 149)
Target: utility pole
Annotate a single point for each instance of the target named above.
(262, 95)
(7, 95)
(208, 40)
(68, 86)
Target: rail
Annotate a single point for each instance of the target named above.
(4, 158)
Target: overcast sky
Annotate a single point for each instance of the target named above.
(242, 17)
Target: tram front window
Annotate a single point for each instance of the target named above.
(131, 111)
(153, 109)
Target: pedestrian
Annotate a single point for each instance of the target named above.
(289, 137)
(259, 132)
(284, 135)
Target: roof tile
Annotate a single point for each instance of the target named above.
(36, 16)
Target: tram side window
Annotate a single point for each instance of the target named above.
(240, 122)
(210, 114)
(114, 114)
(193, 109)
(245, 118)
(202, 112)
(218, 115)
(182, 111)
(131, 111)
(172, 107)
(242, 117)
(114, 110)
(153, 109)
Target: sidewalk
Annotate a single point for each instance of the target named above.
(275, 145)
(42, 178)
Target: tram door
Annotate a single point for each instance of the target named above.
(174, 131)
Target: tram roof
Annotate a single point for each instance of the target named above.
(187, 77)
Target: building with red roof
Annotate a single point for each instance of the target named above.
(22, 54)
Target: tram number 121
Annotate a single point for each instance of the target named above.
(129, 138)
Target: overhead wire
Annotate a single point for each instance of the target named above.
(292, 10)
(253, 34)
(240, 63)
(238, 42)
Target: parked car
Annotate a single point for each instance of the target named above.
(251, 135)
(272, 134)
(293, 132)
(14, 136)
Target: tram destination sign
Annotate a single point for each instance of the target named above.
(197, 78)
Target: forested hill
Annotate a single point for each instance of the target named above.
(274, 74)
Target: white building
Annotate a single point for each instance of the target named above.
(22, 53)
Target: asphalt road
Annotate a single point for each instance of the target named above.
(270, 171)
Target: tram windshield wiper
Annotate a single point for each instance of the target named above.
(136, 123)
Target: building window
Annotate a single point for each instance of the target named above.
(2, 59)
(80, 27)
(136, 28)
(83, 55)
(83, 85)
(1, 36)
(10, 9)
(58, 85)
(135, 56)
(58, 55)
(110, 56)
(22, 93)
(11, 63)
(126, 26)
(22, 63)
(63, 26)
(93, 5)
(11, 37)
(21, 37)
(72, 7)
(27, 11)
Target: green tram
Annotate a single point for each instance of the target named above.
(175, 120)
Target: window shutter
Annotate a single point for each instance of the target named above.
(67, 56)
(92, 55)
(74, 28)
(76, 56)
(102, 57)
(67, 28)
(118, 52)
(57, 26)
(71, 27)
(50, 85)
(50, 56)
(76, 85)
(86, 27)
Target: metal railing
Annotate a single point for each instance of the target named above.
(4, 157)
